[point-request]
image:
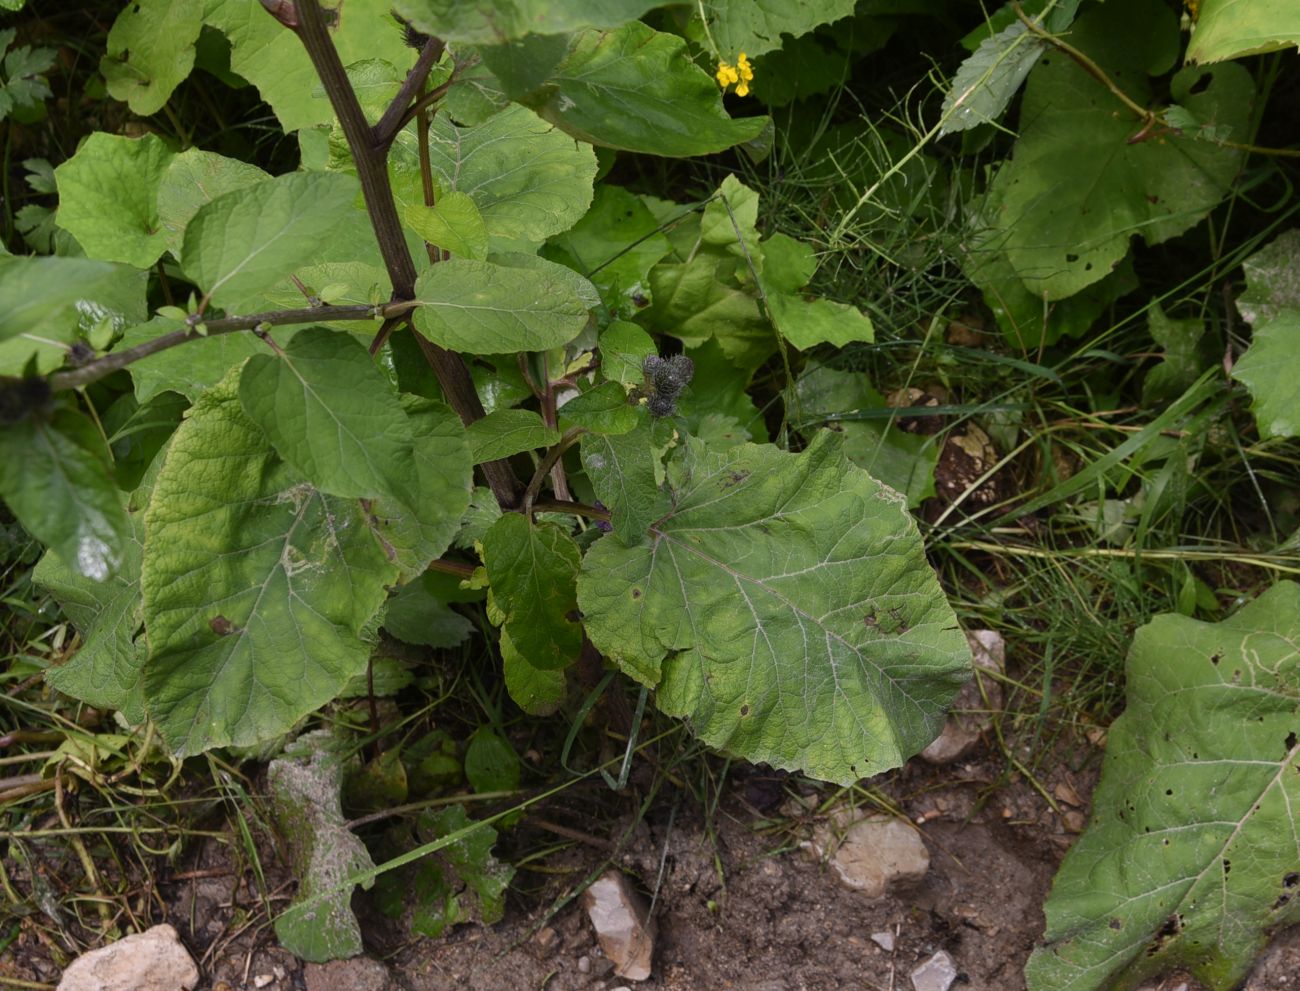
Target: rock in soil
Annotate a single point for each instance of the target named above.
(154, 960)
(874, 854)
(936, 974)
(622, 924)
(973, 710)
(354, 974)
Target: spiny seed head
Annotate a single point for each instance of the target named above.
(660, 406)
(668, 376)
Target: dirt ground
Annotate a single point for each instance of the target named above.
(739, 905)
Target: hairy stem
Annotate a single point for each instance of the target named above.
(372, 170)
(97, 369)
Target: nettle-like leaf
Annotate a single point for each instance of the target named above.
(985, 83)
(488, 22)
(756, 26)
(151, 51)
(245, 241)
(487, 308)
(55, 477)
(192, 179)
(784, 607)
(257, 587)
(636, 89)
(1192, 857)
(108, 197)
(533, 568)
(22, 83)
(1229, 29)
(1270, 368)
(330, 412)
(1063, 237)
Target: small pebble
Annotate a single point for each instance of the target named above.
(262, 980)
(584, 965)
(884, 940)
(936, 974)
(279, 972)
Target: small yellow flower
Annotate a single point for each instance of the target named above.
(739, 75)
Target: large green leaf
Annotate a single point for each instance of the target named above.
(108, 195)
(636, 89)
(245, 241)
(532, 567)
(105, 670)
(192, 179)
(527, 179)
(785, 607)
(490, 22)
(415, 531)
(1233, 28)
(507, 432)
(256, 586)
(485, 308)
(1192, 856)
(756, 26)
(1064, 236)
(55, 477)
(151, 51)
(1270, 368)
(331, 413)
(271, 57)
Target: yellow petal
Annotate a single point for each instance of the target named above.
(742, 89)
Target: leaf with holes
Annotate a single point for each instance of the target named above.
(1192, 857)
(151, 51)
(784, 606)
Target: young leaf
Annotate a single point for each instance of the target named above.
(55, 477)
(192, 179)
(484, 308)
(636, 89)
(453, 224)
(506, 432)
(1191, 858)
(785, 607)
(151, 51)
(624, 348)
(257, 587)
(330, 412)
(491, 764)
(108, 193)
(247, 240)
(533, 568)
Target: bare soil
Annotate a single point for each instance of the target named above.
(737, 902)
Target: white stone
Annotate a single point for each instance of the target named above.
(884, 940)
(971, 714)
(874, 853)
(936, 974)
(622, 924)
(154, 960)
(262, 980)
